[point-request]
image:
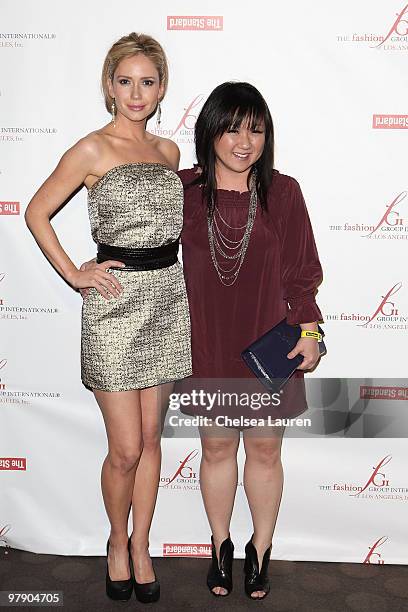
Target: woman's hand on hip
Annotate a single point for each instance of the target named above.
(92, 274)
(308, 347)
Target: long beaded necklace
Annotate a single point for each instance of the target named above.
(219, 242)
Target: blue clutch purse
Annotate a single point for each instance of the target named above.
(266, 357)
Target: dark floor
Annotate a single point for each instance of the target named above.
(295, 585)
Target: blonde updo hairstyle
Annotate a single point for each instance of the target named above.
(128, 46)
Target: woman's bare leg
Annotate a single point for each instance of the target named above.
(218, 480)
(263, 482)
(154, 402)
(122, 415)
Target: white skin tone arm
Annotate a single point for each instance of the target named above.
(75, 165)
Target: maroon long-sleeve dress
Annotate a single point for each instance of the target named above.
(278, 278)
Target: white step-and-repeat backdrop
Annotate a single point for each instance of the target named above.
(335, 77)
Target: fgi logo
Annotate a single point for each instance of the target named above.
(188, 120)
(386, 307)
(184, 471)
(377, 478)
(399, 27)
(372, 552)
(391, 217)
(2, 275)
(3, 363)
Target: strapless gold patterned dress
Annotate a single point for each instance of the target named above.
(142, 338)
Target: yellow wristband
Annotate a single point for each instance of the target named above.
(311, 334)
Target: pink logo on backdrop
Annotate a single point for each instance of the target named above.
(13, 463)
(377, 478)
(385, 316)
(390, 122)
(372, 552)
(188, 119)
(399, 27)
(186, 550)
(375, 392)
(2, 276)
(184, 470)
(3, 363)
(9, 208)
(391, 217)
(385, 307)
(190, 22)
(393, 38)
(185, 122)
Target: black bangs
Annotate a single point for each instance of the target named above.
(251, 118)
(248, 115)
(229, 106)
(235, 104)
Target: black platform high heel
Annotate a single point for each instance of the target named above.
(220, 573)
(256, 580)
(146, 592)
(119, 590)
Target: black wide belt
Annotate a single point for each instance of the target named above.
(137, 260)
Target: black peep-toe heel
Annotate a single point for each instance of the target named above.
(220, 573)
(256, 580)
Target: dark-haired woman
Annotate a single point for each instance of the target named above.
(250, 260)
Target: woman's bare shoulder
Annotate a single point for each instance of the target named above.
(169, 150)
(94, 142)
(92, 148)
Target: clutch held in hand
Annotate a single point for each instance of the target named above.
(267, 356)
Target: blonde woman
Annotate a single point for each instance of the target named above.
(135, 323)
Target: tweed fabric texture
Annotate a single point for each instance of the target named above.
(141, 338)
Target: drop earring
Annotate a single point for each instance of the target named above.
(158, 120)
(113, 111)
